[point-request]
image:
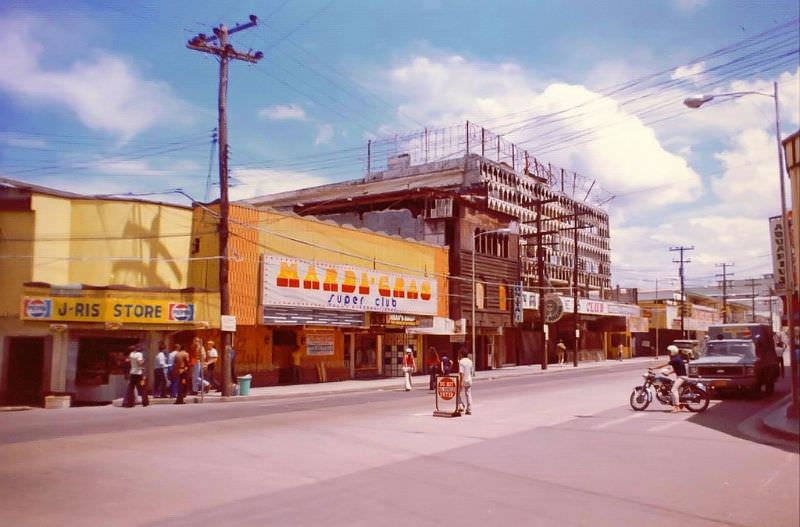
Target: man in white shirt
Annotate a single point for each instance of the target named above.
(160, 372)
(211, 364)
(466, 371)
(135, 378)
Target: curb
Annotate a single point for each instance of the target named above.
(15, 408)
(776, 422)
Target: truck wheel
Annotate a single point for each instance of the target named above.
(770, 386)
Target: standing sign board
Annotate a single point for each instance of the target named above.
(448, 396)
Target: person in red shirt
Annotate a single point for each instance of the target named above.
(409, 367)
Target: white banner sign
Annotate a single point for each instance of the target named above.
(303, 283)
(587, 306)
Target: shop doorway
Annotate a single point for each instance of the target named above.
(25, 370)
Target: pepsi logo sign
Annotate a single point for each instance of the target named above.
(38, 308)
(181, 312)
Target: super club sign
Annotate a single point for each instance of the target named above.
(303, 283)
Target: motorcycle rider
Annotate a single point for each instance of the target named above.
(678, 365)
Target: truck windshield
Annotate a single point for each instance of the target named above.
(721, 348)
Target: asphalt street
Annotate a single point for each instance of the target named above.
(556, 450)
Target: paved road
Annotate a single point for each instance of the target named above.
(541, 450)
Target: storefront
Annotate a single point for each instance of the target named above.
(82, 335)
(368, 312)
(602, 326)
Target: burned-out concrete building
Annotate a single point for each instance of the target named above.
(463, 188)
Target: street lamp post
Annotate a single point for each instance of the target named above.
(697, 102)
(513, 228)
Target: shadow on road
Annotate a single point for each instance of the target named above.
(741, 415)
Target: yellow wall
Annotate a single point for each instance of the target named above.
(74, 241)
(256, 232)
(16, 241)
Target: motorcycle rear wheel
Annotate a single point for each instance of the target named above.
(695, 399)
(640, 399)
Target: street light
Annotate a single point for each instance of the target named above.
(697, 102)
(513, 228)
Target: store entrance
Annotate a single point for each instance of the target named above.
(25, 370)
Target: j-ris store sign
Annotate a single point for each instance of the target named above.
(122, 310)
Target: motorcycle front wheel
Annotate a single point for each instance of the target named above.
(695, 399)
(640, 399)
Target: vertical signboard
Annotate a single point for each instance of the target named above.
(778, 253)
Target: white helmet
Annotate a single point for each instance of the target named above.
(672, 349)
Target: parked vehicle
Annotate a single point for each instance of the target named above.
(692, 394)
(738, 357)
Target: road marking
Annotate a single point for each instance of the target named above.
(618, 421)
(665, 426)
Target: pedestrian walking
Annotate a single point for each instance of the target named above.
(561, 350)
(297, 361)
(136, 378)
(620, 352)
(197, 356)
(171, 375)
(232, 355)
(212, 355)
(466, 372)
(409, 367)
(447, 365)
(160, 372)
(434, 366)
(182, 374)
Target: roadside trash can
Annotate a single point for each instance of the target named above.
(244, 384)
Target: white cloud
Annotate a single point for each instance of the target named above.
(691, 70)
(259, 182)
(103, 90)
(690, 5)
(626, 158)
(283, 112)
(661, 199)
(22, 141)
(324, 134)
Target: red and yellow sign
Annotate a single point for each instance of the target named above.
(295, 282)
(446, 388)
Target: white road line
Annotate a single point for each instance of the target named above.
(618, 421)
(665, 426)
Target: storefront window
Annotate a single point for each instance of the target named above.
(366, 354)
(100, 357)
(479, 296)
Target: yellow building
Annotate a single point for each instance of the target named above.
(345, 301)
(83, 278)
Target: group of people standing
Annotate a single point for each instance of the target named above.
(177, 373)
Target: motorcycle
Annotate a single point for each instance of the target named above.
(692, 394)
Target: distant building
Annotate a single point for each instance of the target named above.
(455, 188)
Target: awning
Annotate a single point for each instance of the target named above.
(440, 326)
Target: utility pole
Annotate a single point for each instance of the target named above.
(724, 276)
(218, 45)
(682, 261)
(753, 299)
(575, 315)
(540, 263)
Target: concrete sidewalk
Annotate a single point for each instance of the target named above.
(394, 383)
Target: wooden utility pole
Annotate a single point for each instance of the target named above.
(218, 45)
(753, 299)
(682, 261)
(540, 263)
(724, 276)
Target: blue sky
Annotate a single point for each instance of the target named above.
(104, 97)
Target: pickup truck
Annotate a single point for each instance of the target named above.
(736, 364)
